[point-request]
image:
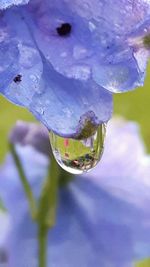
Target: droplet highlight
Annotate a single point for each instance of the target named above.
(78, 156)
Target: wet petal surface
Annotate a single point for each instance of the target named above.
(64, 57)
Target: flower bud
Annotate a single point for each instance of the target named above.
(31, 134)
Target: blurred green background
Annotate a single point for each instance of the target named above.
(134, 105)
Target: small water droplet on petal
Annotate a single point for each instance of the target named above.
(78, 156)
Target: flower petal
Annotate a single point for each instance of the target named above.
(57, 101)
(98, 43)
(89, 221)
(8, 3)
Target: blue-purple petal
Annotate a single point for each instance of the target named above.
(61, 78)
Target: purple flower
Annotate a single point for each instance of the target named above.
(31, 134)
(103, 218)
(63, 59)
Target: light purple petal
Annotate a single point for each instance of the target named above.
(8, 3)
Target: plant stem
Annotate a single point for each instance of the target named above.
(25, 183)
(48, 199)
(47, 210)
(64, 177)
(42, 240)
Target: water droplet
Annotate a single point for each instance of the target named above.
(78, 156)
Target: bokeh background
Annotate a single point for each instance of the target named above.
(134, 105)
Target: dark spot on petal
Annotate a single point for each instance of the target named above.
(64, 29)
(18, 79)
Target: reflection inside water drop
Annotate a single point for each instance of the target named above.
(78, 156)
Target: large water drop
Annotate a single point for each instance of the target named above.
(78, 156)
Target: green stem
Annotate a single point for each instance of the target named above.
(47, 210)
(48, 199)
(42, 240)
(25, 183)
(64, 177)
(45, 215)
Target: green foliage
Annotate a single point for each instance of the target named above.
(9, 114)
(135, 106)
(144, 263)
(146, 41)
